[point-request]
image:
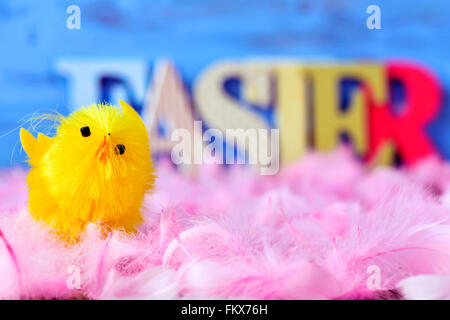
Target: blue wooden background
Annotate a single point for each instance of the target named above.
(194, 33)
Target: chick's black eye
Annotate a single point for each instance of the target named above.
(120, 149)
(85, 132)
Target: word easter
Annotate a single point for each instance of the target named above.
(307, 102)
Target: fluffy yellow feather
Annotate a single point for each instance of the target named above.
(97, 169)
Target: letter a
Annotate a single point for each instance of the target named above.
(374, 20)
(74, 20)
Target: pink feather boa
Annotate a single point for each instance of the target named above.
(311, 232)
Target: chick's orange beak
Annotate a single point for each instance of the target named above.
(101, 151)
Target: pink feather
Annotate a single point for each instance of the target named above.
(314, 231)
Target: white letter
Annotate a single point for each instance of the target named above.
(215, 146)
(73, 21)
(74, 281)
(181, 152)
(198, 142)
(240, 138)
(374, 281)
(373, 21)
(270, 163)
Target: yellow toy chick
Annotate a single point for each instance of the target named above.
(96, 169)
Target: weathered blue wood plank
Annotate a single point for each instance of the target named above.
(195, 33)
